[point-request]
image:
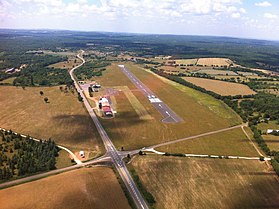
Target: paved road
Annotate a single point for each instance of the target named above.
(111, 150)
(166, 112)
(53, 172)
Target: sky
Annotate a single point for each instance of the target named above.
(235, 18)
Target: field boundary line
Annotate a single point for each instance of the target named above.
(196, 136)
(208, 156)
(251, 141)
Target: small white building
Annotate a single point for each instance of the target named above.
(81, 154)
(269, 131)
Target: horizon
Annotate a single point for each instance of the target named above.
(138, 33)
(218, 18)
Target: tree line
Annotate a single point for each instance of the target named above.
(91, 69)
(20, 156)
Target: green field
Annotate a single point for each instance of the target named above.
(201, 113)
(207, 183)
(232, 142)
(270, 125)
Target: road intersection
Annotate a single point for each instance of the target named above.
(111, 150)
(112, 155)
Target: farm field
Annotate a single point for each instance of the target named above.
(202, 112)
(223, 77)
(221, 87)
(61, 53)
(232, 142)
(218, 62)
(82, 188)
(171, 69)
(272, 142)
(272, 91)
(63, 118)
(218, 72)
(207, 183)
(186, 61)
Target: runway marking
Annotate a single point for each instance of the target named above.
(151, 98)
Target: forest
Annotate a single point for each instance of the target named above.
(21, 156)
(36, 72)
(91, 69)
(247, 52)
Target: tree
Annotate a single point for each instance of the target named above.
(90, 91)
(32, 80)
(80, 98)
(41, 93)
(46, 100)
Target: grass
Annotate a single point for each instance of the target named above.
(63, 119)
(272, 142)
(147, 195)
(8, 81)
(200, 112)
(272, 91)
(270, 125)
(207, 183)
(63, 160)
(186, 61)
(138, 107)
(180, 93)
(223, 77)
(83, 188)
(232, 142)
(218, 72)
(221, 87)
(214, 61)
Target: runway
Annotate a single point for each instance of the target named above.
(169, 115)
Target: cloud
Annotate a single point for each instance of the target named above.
(160, 9)
(270, 16)
(236, 15)
(242, 10)
(263, 4)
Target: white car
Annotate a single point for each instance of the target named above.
(149, 97)
(152, 96)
